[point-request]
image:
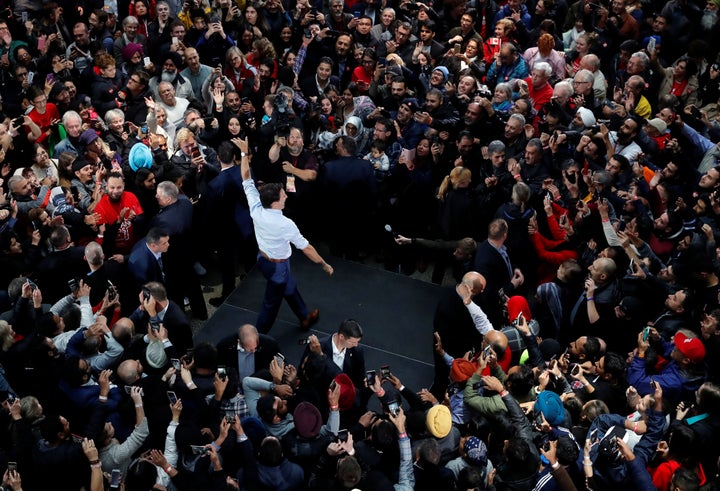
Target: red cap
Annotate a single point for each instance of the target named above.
(692, 348)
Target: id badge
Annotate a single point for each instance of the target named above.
(290, 185)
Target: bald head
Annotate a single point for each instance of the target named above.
(475, 281)
(129, 371)
(497, 339)
(249, 338)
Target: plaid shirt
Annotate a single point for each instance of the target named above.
(231, 407)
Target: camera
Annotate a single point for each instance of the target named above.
(222, 373)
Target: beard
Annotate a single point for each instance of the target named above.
(709, 19)
(166, 76)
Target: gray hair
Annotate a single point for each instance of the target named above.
(643, 57)
(544, 67)
(130, 19)
(69, 115)
(495, 146)
(591, 60)
(13, 181)
(112, 114)
(168, 189)
(94, 254)
(518, 117)
(505, 88)
(585, 76)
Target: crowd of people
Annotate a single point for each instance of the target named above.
(560, 158)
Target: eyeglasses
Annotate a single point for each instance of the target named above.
(40, 101)
(134, 80)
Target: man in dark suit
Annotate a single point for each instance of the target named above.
(175, 216)
(492, 261)
(157, 307)
(342, 353)
(63, 264)
(248, 351)
(145, 261)
(350, 189)
(455, 327)
(228, 214)
(311, 84)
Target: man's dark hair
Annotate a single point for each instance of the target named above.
(143, 76)
(72, 373)
(567, 450)
(268, 63)
(348, 144)
(429, 23)
(471, 478)
(116, 175)
(59, 236)
(265, 408)
(709, 398)
(521, 381)
(350, 328)
(226, 153)
(622, 160)
(615, 365)
(205, 356)
(592, 348)
(685, 479)
(157, 291)
(50, 426)
(141, 475)
(270, 193)
(270, 453)
(389, 126)
(327, 60)
(155, 235)
(465, 134)
(428, 453)
(384, 436)
(101, 15)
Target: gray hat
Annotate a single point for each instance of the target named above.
(155, 354)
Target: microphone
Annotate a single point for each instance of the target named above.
(389, 229)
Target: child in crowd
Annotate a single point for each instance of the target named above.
(380, 161)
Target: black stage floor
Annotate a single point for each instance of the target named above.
(394, 311)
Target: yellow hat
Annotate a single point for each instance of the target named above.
(439, 421)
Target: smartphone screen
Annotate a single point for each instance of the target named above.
(115, 478)
(370, 377)
(343, 435)
(172, 397)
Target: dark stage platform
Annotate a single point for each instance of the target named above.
(395, 312)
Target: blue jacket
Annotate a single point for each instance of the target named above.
(504, 73)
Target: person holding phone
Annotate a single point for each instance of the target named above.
(247, 351)
(116, 455)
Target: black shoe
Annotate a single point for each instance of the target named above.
(217, 301)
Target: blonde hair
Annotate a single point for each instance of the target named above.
(6, 339)
(508, 25)
(458, 177)
(182, 136)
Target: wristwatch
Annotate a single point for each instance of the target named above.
(242, 154)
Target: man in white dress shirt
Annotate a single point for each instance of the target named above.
(274, 233)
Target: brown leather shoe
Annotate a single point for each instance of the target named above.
(311, 319)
